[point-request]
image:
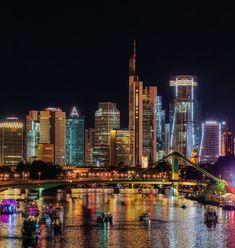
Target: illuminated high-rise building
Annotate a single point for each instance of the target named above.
(120, 147)
(184, 116)
(149, 150)
(46, 153)
(107, 117)
(135, 113)
(75, 139)
(227, 145)
(89, 145)
(160, 128)
(51, 122)
(142, 118)
(167, 149)
(11, 141)
(210, 148)
(32, 135)
(57, 134)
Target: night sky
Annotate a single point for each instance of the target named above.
(64, 55)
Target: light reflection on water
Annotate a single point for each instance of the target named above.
(171, 226)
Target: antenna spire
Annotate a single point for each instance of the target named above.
(132, 61)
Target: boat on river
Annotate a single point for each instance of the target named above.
(57, 212)
(210, 215)
(145, 217)
(183, 206)
(30, 229)
(228, 206)
(104, 217)
(8, 206)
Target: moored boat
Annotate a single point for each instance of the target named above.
(30, 229)
(8, 206)
(145, 217)
(210, 215)
(104, 217)
(228, 206)
(183, 206)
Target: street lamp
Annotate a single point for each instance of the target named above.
(39, 175)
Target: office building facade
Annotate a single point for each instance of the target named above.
(107, 117)
(51, 124)
(161, 117)
(210, 148)
(11, 142)
(149, 151)
(184, 115)
(227, 143)
(120, 147)
(75, 139)
(89, 145)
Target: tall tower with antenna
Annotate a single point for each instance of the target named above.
(135, 113)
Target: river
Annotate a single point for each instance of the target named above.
(171, 226)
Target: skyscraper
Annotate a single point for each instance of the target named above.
(120, 147)
(142, 118)
(107, 117)
(167, 139)
(160, 128)
(184, 115)
(227, 145)
(89, 145)
(135, 113)
(32, 135)
(11, 141)
(75, 139)
(149, 124)
(51, 123)
(210, 148)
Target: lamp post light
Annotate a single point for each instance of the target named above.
(39, 175)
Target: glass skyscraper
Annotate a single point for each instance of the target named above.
(46, 127)
(107, 118)
(210, 148)
(160, 128)
(11, 141)
(184, 116)
(75, 139)
(32, 135)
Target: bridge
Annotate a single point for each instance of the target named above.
(134, 179)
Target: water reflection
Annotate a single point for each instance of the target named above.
(171, 226)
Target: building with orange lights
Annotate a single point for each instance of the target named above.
(120, 147)
(142, 118)
(11, 141)
(46, 127)
(227, 145)
(46, 153)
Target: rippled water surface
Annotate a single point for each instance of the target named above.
(170, 225)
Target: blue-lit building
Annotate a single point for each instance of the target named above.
(184, 116)
(160, 128)
(75, 139)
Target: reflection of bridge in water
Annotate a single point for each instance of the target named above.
(134, 179)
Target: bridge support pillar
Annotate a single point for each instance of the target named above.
(175, 190)
(175, 168)
(40, 193)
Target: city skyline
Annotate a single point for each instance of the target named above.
(45, 54)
